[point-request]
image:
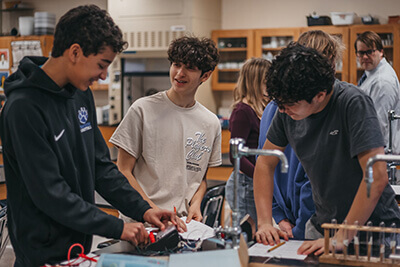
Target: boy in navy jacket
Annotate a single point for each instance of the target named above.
(54, 154)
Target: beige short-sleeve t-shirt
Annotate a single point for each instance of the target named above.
(173, 146)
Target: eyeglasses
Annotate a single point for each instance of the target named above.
(281, 105)
(367, 52)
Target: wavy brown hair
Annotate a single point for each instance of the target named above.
(328, 45)
(251, 77)
(194, 52)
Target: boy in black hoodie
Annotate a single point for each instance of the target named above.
(54, 154)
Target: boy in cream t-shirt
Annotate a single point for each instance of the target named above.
(168, 140)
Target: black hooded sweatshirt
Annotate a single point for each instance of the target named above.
(55, 158)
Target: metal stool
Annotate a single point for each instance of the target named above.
(3, 232)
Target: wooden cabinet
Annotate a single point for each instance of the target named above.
(96, 86)
(219, 173)
(390, 38)
(225, 137)
(269, 42)
(342, 67)
(107, 132)
(235, 47)
(46, 43)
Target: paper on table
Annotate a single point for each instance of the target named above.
(197, 230)
(211, 258)
(286, 251)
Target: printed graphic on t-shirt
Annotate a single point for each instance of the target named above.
(83, 116)
(334, 132)
(197, 147)
(191, 166)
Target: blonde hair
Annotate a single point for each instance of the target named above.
(251, 77)
(328, 45)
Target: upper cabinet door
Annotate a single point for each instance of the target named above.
(235, 47)
(269, 42)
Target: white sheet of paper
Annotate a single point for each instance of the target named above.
(197, 230)
(286, 251)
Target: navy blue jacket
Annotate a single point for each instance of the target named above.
(55, 158)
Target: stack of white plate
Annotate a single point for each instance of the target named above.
(45, 23)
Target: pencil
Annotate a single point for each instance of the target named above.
(276, 246)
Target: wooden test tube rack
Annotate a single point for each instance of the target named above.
(351, 260)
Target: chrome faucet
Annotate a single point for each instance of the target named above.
(237, 151)
(368, 169)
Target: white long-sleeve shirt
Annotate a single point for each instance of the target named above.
(382, 85)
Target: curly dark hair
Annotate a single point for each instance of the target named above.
(194, 52)
(90, 27)
(299, 73)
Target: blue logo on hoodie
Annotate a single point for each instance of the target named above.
(83, 116)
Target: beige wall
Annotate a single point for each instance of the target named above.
(240, 14)
(59, 7)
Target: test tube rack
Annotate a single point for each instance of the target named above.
(353, 260)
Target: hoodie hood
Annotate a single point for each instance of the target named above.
(30, 75)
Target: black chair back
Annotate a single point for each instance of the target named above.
(211, 205)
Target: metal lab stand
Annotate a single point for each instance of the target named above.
(369, 178)
(238, 150)
(391, 165)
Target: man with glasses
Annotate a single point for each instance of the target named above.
(380, 82)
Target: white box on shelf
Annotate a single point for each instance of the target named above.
(343, 18)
